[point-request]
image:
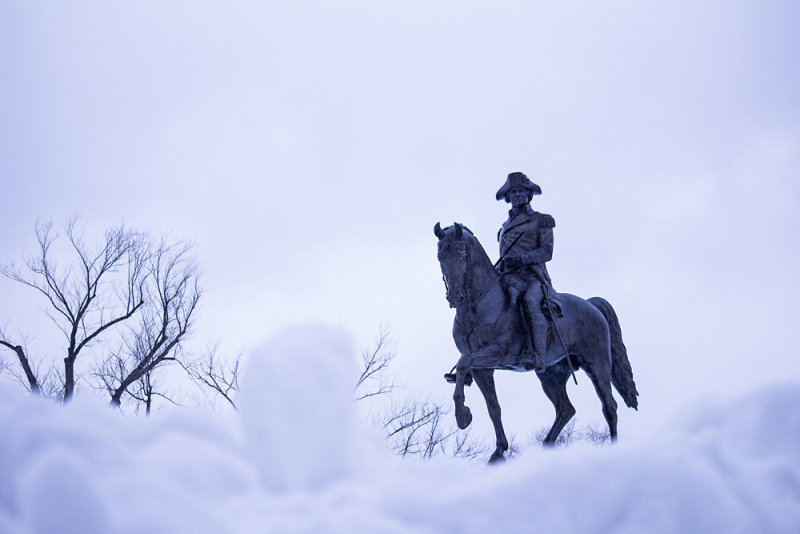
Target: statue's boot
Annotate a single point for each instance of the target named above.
(538, 332)
(526, 324)
(517, 303)
(524, 359)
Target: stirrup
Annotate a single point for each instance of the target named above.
(450, 377)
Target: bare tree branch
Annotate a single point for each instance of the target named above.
(172, 294)
(147, 390)
(374, 368)
(30, 377)
(77, 292)
(571, 433)
(220, 379)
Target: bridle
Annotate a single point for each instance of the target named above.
(466, 311)
(466, 283)
(465, 307)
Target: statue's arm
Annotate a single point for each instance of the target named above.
(544, 252)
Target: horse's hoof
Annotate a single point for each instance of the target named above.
(463, 417)
(497, 458)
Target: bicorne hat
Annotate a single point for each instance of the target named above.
(517, 179)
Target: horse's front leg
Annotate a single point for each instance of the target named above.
(484, 378)
(463, 413)
(487, 357)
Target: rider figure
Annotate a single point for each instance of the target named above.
(526, 243)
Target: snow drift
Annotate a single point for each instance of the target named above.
(296, 460)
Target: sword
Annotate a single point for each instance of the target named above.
(558, 332)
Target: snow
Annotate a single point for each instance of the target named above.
(305, 375)
(296, 459)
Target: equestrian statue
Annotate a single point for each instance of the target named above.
(509, 317)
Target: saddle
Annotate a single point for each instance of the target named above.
(550, 301)
(553, 304)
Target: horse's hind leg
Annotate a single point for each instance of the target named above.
(602, 385)
(554, 384)
(484, 378)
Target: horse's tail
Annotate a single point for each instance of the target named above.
(621, 372)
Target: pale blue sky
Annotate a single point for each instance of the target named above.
(309, 148)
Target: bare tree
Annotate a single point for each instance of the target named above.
(374, 368)
(413, 427)
(420, 428)
(143, 292)
(4, 366)
(464, 446)
(29, 380)
(147, 389)
(592, 433)
(171, 294)
(595, 434)
(219, 378)
(86, 297)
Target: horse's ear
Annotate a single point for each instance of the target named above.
(438, 232)
(459, 231)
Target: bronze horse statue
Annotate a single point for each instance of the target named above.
(489, 335)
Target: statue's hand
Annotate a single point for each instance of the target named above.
(512, 262)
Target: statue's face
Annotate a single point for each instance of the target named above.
(518, 196)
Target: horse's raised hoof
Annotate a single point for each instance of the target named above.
(497, 458)
(463, 417)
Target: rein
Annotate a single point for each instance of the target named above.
(469, 327)
(468, 283)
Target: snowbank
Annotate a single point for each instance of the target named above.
(296, 460)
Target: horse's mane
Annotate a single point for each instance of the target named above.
(476, 246)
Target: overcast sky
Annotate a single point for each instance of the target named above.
(308, 148)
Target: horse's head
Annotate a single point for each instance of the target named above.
(454, 259)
